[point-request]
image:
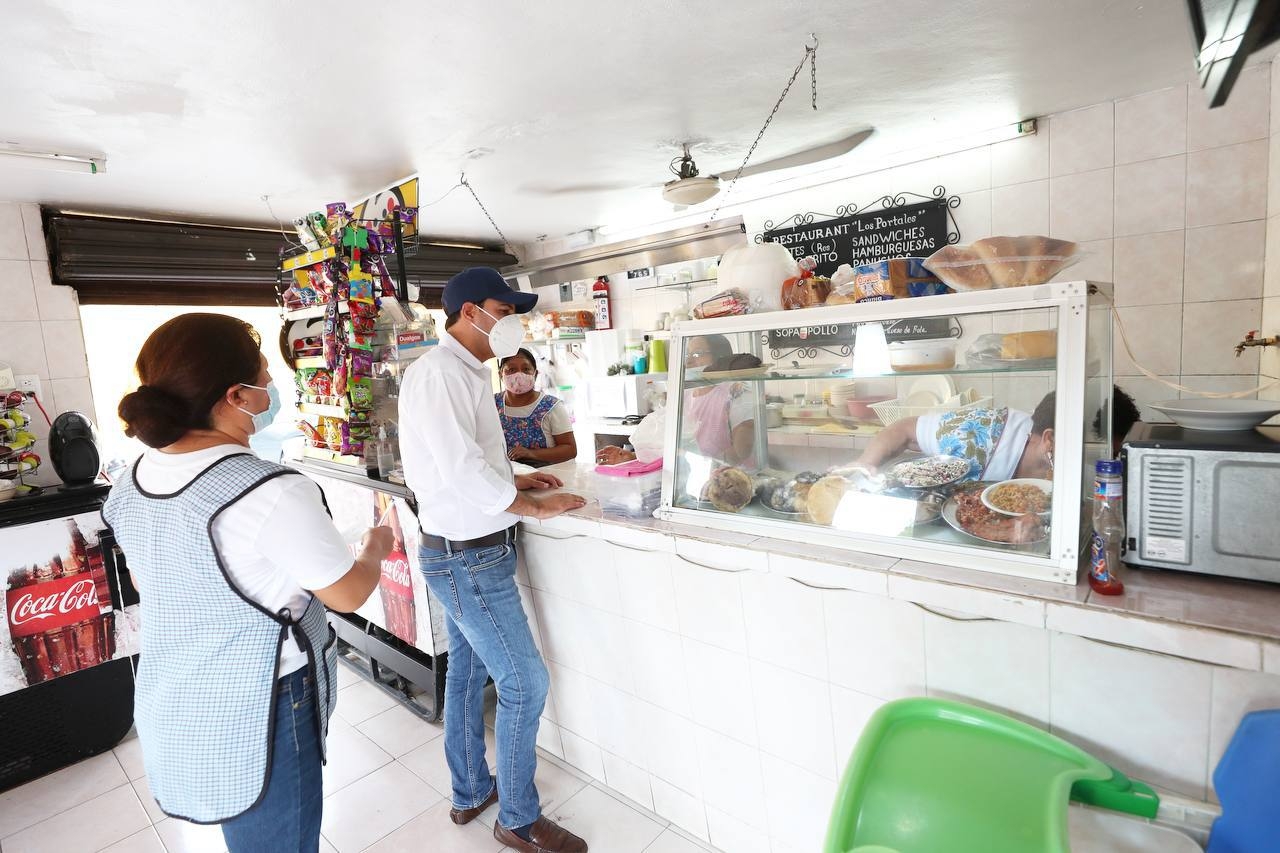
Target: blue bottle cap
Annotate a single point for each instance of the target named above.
(1109, 466)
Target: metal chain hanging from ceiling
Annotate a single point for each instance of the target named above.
(462, 180)
(811, 57)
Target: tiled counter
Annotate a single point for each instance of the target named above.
(723, 680)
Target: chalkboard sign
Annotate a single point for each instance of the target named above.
(922, 329)
(835, 334)
(910, 231)
(842, 334)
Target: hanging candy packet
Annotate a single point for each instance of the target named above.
(341, 374)
(361, 364)
(360, 390)
(333, 333)
(320, 227)
(303, 228)
(313, 435)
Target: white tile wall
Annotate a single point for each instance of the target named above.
(1149, 269)
(1151, 125)
(1225, 184)
(1245, 115)
(718, 681)
(1147, 714)
(1082, 140)
(731, 778)
(1167, 198)
(990, 663)
(875, 645)
(1151, 196)
(793, 715)
(1225, 261)
(40, 329)
(13, 241)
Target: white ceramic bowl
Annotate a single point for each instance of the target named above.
(1218, 415)
(922, 355)
(1045, 486)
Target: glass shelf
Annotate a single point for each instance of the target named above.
(901, 374)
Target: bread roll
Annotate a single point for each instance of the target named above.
(960, 268)
(824, 497)
(730, 489)
(1041, 344)
(1005, 259)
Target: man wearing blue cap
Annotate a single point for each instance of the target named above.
(455, 461)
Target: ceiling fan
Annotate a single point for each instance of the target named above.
(689, 187)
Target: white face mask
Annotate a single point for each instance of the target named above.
(262, 420)
(506, 334)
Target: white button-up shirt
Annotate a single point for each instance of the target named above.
(452, 445)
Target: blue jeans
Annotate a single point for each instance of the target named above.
(488, 635)
(287, 818)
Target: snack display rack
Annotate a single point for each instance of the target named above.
(809, 483)
(343, 302)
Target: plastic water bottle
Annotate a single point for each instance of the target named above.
(386, 457)
(1108, 527)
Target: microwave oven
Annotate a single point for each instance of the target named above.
(622, 396)
(1202, 501)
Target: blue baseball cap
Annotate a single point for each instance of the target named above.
(476, 284)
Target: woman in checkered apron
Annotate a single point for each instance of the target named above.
(235, 559)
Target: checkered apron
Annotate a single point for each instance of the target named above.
(207, 680)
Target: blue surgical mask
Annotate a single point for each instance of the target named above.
(265, 418)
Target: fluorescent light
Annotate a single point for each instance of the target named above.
(55, 162)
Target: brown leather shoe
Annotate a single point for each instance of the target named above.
(464, 816)
(547, 835)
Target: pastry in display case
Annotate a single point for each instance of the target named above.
(957, 429)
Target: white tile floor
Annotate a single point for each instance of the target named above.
(386, 791)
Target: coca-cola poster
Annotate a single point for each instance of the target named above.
(58, 613)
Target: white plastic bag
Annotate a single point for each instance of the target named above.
(649, 435)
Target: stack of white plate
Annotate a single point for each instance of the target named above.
(841, 393)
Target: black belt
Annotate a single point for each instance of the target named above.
(448, 546)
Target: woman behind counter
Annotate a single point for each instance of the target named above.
(722, 415)
(536, 425)
(998, 444)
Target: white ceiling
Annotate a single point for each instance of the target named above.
(202, 108)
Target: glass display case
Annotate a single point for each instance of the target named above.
(959, 429)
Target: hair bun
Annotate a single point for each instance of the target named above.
(154, 416)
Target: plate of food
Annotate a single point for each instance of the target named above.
(929, 472)
(1016, 497)
(967, 514)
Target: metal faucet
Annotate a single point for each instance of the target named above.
(1252, 340)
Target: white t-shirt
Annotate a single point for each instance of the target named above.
(277, 542)
(554, 422)
(1003, 462)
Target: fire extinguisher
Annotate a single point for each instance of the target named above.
(600, 296)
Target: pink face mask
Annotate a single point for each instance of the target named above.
(518, 383)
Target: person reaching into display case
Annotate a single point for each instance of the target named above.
(235, 559)
(998, 444)
(536, 425)
(722, 414)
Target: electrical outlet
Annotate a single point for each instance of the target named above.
(6, 379)
(29, 383)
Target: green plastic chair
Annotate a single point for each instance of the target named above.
(930, 776)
